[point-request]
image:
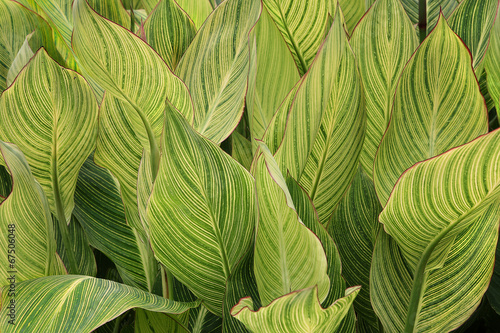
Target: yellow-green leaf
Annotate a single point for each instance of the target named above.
(201, 211)
(354, 10)
(437, 106)
(383, 42)
(492, 64)
(198, 10)
(433, 8)
(215, 68)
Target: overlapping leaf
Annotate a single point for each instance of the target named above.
(157, 322)
(433, 8)
(25, 215)
(112, 10)
(132, 111)
(215, 68)
(442, 218)
(302, 25)
(383, 42)
(298, 311)
(472, 21)
(492, 64)
(74, 303)
(353, 11)
(437, 106)
(169, 31)
(201, 211)
(288, 256)
(241, 150)
(198, 10)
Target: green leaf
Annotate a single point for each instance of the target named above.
(50, 113)
(203, 321)
(354, 227)
(492, 64)
(298, 311)
(279, 267)
(169, 31)
(302, 25)
(427, 119)
(5, 182)
(215, 68)
(320, 149)
(201, 211)
(113, 10)
(472, 22)
(156, 322)
(443, 223)
(433, 8)
(25, 215)
(73, 303)
(131, 117)
(101, 213)
(493, 292)
(198, 10)
(383, 42)
(241, 150)
(273, 74)
(22, 58)
(354, 10)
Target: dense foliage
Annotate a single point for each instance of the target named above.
(249, 166)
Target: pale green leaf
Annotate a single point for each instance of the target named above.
(288, 256)
(354, 10)
(443, 219)
(215, 68)
(169, 31)
(298, 311)
(383, 42)
(427, 119)
(25, 215)
(201, 211)
(492, 64)
(241, 150)
(23, 56)
(113, 10)
(198, 10)
(74, 303)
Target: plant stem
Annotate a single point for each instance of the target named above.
(422, 19)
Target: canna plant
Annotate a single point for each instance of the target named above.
(249, 166)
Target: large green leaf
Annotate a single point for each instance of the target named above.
(492, 64)
(442, 218)
(288, 256)
(298, 311)
(383, 42)
(201, 211)
(302, 25)
(324, 126)
(101, 213)
(437, 106)
(73, 303)
(354, 227)
(112, 10)
(25, 224)
(433, 8)
(169, 31)
(198, 10)
(131, 116)
(273, 74)
(215, 68)
(472, 22)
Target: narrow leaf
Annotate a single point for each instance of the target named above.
(492, 64)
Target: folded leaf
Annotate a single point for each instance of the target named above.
(427, 119)
(201, 211)
(215, 68)
(298, 311)
(22, 57)
(288, 256)
(25, 215)
(442, 217)
(384, 41)
(74, 303)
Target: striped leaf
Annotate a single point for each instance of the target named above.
(131, 117)
(25, 214)
(427, 119)
(492, 64)
(443, 225)
(320, 148)
(472, 22)
(169, 31)
(74, 303)
(203, 321)
(201, 211)
(273, 74)
(433, 8)
(241, 150)
(113, 10)
(353, 11)
(493, 292)
(218, 91)
(354, 227)
(383, 42)
(100, 211)
(198, 10)
(23, 56)
(302, 25)
(298, 311)
(288, 256)
(50, 113)
(157, 322)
